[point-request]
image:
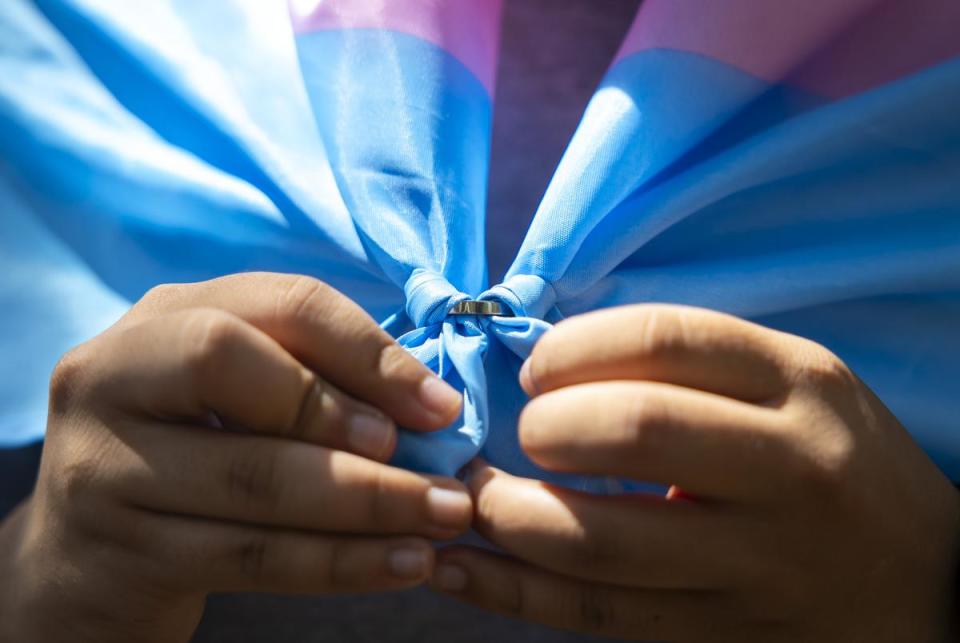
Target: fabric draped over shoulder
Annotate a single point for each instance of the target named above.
(795, 163)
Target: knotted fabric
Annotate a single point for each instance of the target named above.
(796, 163)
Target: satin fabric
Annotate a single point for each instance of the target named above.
(795, 163)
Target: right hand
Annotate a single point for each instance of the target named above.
(224, 436)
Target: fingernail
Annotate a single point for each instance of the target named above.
(370, 435)
(408, 563)
(439, 397)
(450, 578)
(449, 508)
(526, 380)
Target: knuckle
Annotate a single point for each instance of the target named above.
(663, 333)
(310, 410)
(210, 336)
(822, 369)
(67, 378)
(253, 478)
(337, 571)
(159, 299)
(595, 608)
(592, 549)
(85, 477)
(251, 556)
(392, 358)
(161, 294)
(300, 296)
(77, 478)
(382, 508)
(644, 418)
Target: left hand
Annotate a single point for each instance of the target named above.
(807, 513)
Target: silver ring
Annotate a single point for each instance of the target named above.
(477, 307)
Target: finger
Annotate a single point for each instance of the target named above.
(196, 362)
(329, 333)
(679, 345)
(709, 445)
(631, 540)
(267, 481)
(517, 589)
(205, 555)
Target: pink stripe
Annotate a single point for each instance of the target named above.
(832, 47)
(467, 29)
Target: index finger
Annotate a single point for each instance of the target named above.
(680, 345)
(328, 333)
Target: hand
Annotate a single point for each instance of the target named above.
(807, 513)
(224, 436)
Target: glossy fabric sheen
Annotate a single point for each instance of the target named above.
(148, 142)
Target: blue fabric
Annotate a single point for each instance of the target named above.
(171, 142)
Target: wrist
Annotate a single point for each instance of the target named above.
(12, 540)
(931, 604)
(953, 618)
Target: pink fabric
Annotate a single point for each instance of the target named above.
(467, 29)
(831, 47)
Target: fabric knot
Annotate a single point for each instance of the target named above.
(430, 297)
(525, 295)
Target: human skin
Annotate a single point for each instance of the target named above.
(224, 436)
(807, 513)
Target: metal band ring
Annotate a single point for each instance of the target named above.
(477, 307)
